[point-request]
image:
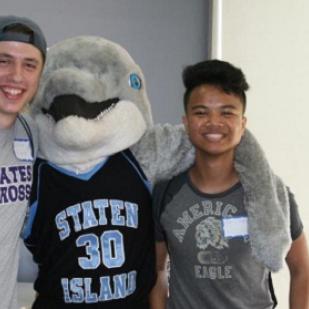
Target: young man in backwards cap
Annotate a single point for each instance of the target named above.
(22, 55)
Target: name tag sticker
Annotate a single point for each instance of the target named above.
(235, 227)
(22, 149)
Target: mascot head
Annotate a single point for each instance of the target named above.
(91, 103)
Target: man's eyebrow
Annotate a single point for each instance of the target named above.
(31, 60)
(228, 106)
(231, 106)
(6, 55)
(199, 106)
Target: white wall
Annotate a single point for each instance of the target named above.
(269, 40)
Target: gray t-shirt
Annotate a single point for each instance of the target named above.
(211, 265)
(15, 186)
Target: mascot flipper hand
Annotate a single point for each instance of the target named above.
(90, 221)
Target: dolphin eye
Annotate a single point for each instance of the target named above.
(135, 81)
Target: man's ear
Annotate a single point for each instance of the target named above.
(244, 124)
(185, 122)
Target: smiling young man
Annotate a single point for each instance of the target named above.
(22, 55)
(201, 216)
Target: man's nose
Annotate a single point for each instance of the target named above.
(214, 119)
(16, 73)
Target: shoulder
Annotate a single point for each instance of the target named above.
(26, 118)
(29, 125)
(165, 190)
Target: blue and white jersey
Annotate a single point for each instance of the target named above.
(92, 235)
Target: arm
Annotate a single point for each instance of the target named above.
(164, 151)
(298, 263)
(27, 269)
(159, 293)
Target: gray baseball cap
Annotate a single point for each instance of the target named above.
(35, 37)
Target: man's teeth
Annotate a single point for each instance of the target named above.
(214, 136)
(12, 91)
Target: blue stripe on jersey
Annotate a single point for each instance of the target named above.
(83, 176)
(146, 182)
(29, 220)
(31, 211)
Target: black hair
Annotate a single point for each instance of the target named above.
(217, 73)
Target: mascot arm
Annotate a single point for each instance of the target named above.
(164, 151)
(250, 158)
